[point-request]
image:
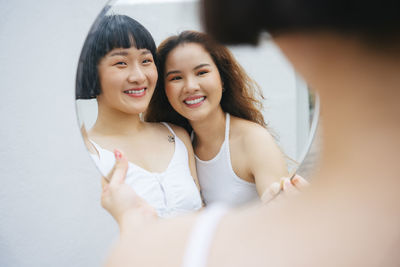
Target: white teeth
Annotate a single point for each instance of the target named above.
(194, 101)
(134, 91)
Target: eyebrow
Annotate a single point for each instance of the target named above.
(195, 68)
(201, 65)
(125, 53)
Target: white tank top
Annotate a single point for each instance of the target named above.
(218, 181)
(171, 192)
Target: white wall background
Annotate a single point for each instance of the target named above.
(49, 196)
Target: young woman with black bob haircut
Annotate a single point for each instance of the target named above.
(348, 51)
(204, 89)
(118, 68)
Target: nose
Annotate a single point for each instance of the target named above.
(136, 75)
(191, 85)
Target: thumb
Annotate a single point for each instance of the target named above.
(118, 172)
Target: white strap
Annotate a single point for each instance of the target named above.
(198, 247)
(94, 144)
(97, 147)
(169, 128)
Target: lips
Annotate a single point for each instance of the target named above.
(194, 101)
(136, 92)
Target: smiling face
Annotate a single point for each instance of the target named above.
(192, 82)
(128, 78)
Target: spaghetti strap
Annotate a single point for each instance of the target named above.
(227, 124)
(96, 146)
(169, 128)
(198, 246)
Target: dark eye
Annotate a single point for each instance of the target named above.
(176, 78)
(202, 72)
(120, 63)
(147, 61)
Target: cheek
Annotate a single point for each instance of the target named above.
(110, 83)
(214, 84)
(110, 76)
(168, 92)
(105, 84)
(171, 94)
(153, 75)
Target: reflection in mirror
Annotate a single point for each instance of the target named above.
(116, 80)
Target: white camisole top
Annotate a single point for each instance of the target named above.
(218, 181)
(171, 192)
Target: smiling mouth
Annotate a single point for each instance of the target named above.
(194, 101)
(136, 92)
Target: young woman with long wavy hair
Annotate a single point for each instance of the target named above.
(204, 89)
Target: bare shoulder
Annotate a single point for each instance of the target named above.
(181, 133)
(160, 127)
(250, 134)
(258, 147)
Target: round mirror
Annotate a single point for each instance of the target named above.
(290, 109)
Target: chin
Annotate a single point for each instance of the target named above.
(197, 115)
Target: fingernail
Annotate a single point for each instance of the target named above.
(117, 154)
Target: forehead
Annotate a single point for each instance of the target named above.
(131, 51)
(188, 54)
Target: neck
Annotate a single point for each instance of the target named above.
(114, 122)
(359, 106)
(209, 129)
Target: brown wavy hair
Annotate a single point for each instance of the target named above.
(238, 99)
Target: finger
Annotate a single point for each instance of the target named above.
(299, 182)
(288, 187)
(271, 192)
(120, 168)
(111, 173)
(117, 154)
